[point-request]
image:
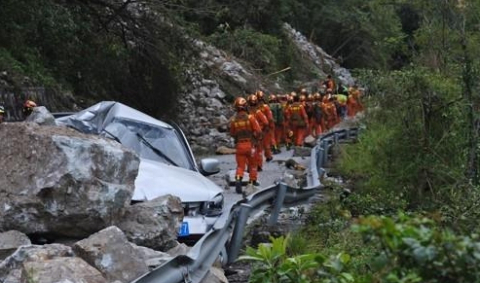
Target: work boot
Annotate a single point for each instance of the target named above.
(289, 146)
(268, 159)
(259, 169)
(276, 150)
(254, 182)
(238, 185)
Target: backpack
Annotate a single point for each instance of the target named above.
(241, 122)
(277, 113)
(317, 112)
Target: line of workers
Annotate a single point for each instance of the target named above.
(260, 126)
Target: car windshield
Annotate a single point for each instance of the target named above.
(150, 142)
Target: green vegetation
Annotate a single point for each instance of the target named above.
(413, 213)
(417, 158)
(136, 52)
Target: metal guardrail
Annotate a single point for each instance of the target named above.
(225, 238)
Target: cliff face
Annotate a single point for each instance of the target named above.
(218, 78)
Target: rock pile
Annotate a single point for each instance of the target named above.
(59, 185)
(218, 78)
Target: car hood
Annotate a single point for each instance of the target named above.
(156, 179)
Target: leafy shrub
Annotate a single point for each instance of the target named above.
(416, 249)
(272, 264)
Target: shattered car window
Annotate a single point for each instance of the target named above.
(162, 144)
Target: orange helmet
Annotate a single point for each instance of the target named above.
(272, 98)
(310, 97)
(252, 99)
(316, 96)
(240, 103)
(302, 98)
(289, 98)
(260, 95)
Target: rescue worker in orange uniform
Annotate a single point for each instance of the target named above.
(351, 105)
(297, 120)
(330, 110)
(27, 108)
(317, 119)
(329, 83)
(357, 106)
(253, 109)
(279, 122)
(286, 114)
(245, 129)
(269, 134)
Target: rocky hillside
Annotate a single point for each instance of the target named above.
(206, 104)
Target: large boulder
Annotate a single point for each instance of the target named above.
(110, 252)
(58, 181)
(41, 116)
(154, 223)
(10, 241)
(61, 270)
(48, 263)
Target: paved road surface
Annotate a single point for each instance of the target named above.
(272, 171)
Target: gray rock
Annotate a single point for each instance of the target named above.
(153, 224)
(196, 132)
(215, 103)
(209, 82)
(222, 150)
(205, 91)
(57, 175)
(180, 249)
(217, 93)
(11, 267)
(310, 141)
(301, 151)
(110, 252)
(10, 241)
(151, 257)
(61, 270)
(215, 275)
(41, 116)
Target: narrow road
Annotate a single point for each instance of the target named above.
(272, 171)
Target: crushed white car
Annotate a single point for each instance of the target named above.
(167, 164)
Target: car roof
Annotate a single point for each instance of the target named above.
(95, 118)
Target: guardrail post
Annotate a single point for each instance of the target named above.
(320, 154)
(336, 138)
(347, 134)
(325, 152)
(282, 190)
(236, 241)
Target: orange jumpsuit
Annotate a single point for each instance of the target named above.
(298, 121)
(278, 135)
(330, 111)
(357, 106)
(351, 106)
(269, 136)
(286, 127)
(317, 119)
(264, 125)
(244, 128)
